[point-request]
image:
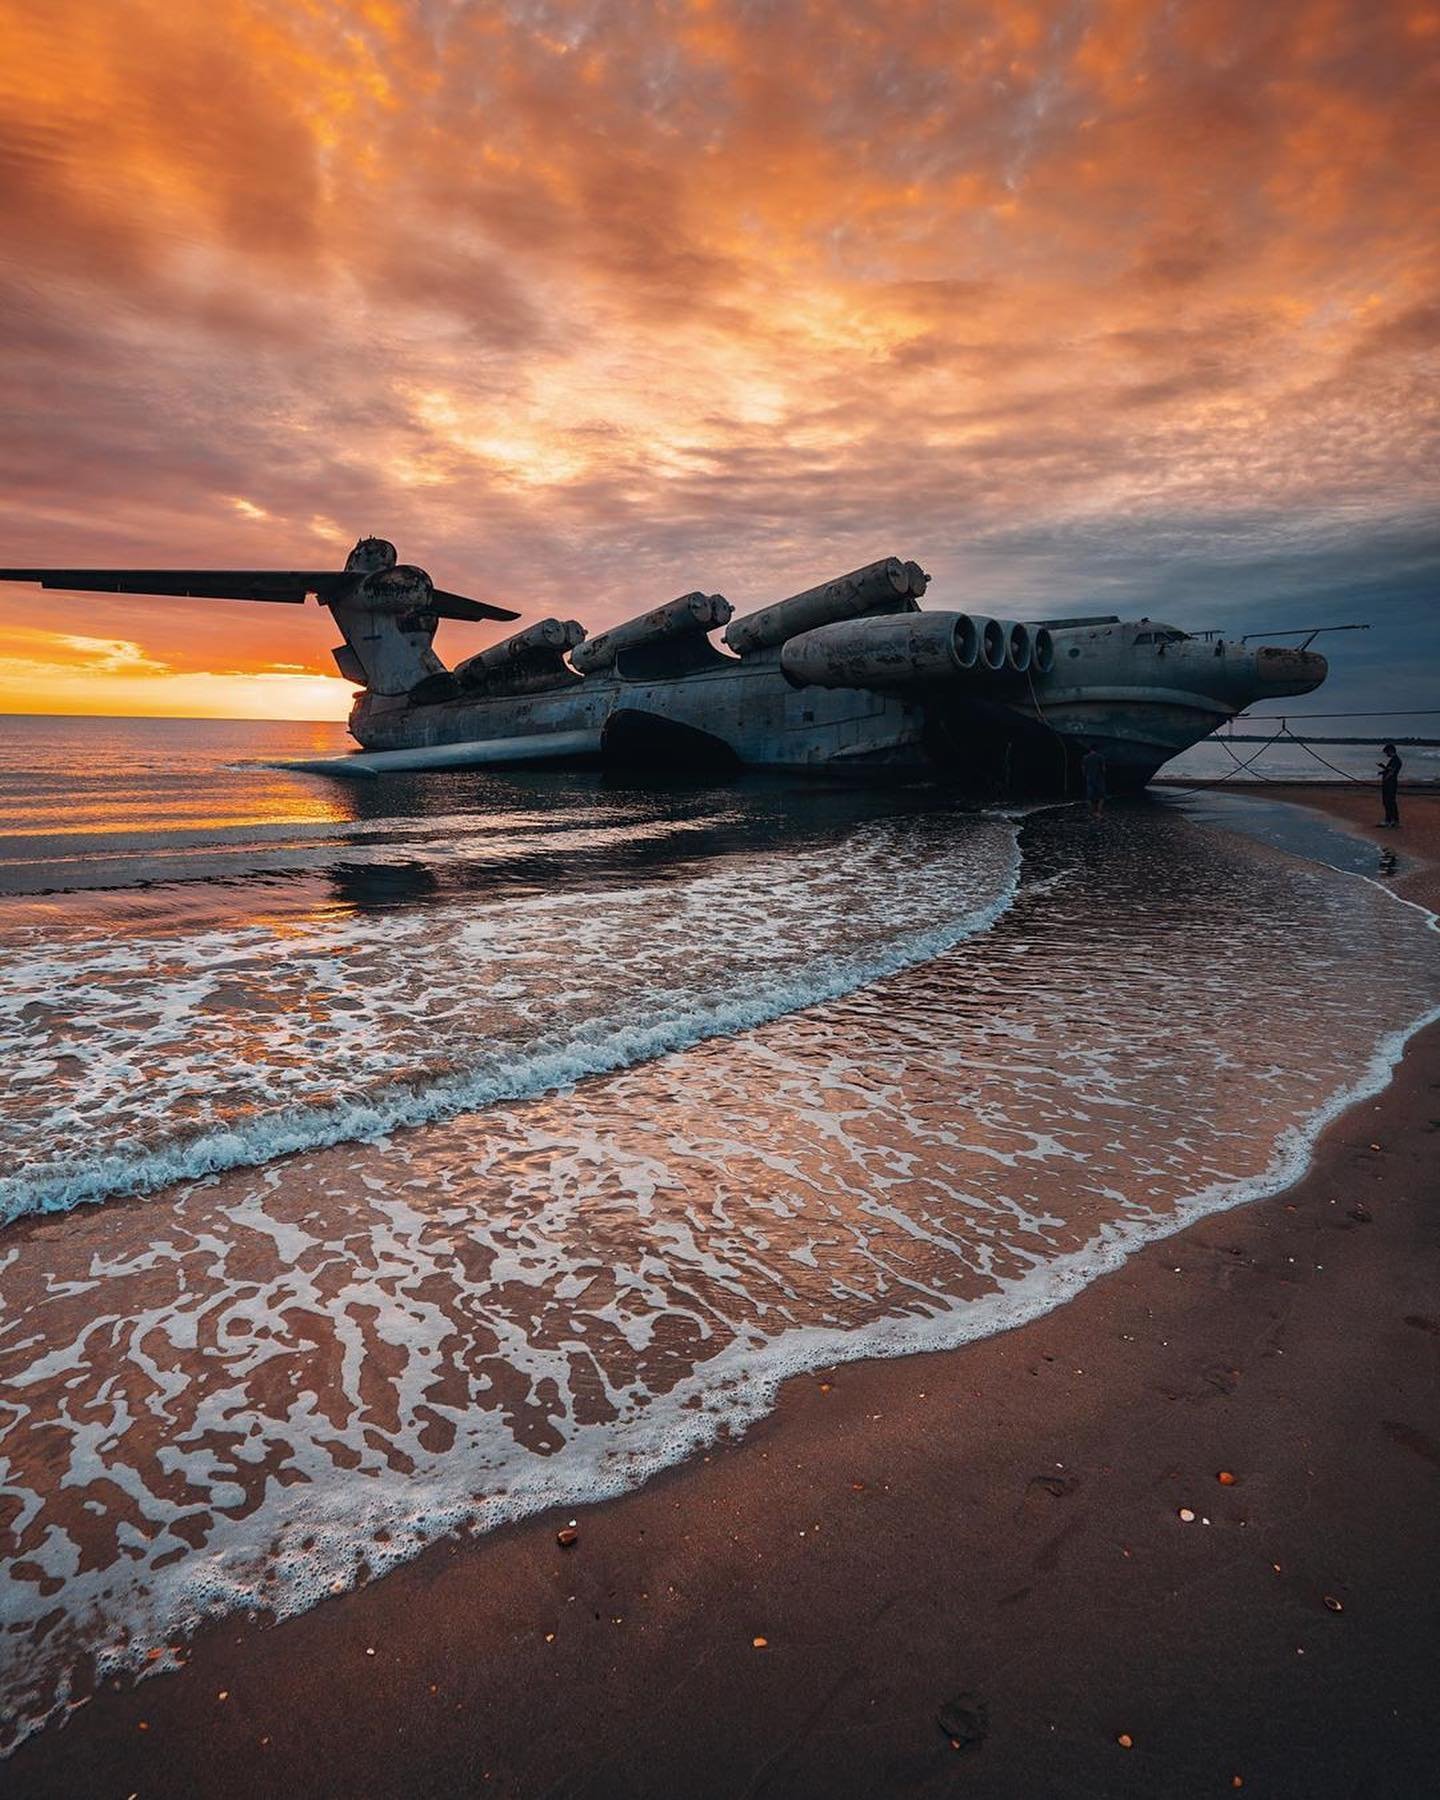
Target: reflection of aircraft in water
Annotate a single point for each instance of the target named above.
(851, 675)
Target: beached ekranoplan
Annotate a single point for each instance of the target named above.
(771, 1133)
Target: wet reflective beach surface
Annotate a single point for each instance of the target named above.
(386, 1160)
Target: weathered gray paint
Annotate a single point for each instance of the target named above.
(545, 638)
(689, 616)
(891, 654)
(885, 586)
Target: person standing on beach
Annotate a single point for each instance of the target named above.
(1390, 784)
(1092, 766)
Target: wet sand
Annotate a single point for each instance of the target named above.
(1357, 805)
(987, 1537)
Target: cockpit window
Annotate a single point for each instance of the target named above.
(1167, 634)
(1144, 637)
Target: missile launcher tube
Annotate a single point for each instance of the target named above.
(690, 615)
(547, 638)
(887, 586)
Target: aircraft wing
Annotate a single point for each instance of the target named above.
(289, 585)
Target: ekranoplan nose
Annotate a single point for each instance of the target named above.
(1284, 671)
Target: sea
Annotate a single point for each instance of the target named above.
(387, 1160)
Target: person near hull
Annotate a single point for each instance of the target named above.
(1390, 785)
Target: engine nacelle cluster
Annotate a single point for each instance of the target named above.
(917, 650)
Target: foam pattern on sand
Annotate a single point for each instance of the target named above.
(287, 1379)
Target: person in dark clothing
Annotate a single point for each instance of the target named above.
(1092, 767)
(1390, 784)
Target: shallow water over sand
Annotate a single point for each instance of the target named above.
(849, 1074)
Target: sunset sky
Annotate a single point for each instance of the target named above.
(1106, 305)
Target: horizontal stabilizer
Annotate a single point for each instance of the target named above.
(289, 586)
(456, 606)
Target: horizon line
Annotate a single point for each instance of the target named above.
(178, 718)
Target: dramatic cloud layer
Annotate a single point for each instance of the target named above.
(587, 304)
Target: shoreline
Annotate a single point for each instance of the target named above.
(997, 1519)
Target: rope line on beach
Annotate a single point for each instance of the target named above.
(1260, 775)
(1359, 780)
(1240, 767)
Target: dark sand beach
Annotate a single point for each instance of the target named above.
(964, 1572)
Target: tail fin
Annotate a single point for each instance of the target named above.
(388, 631)
(386, 652)
(389, 612)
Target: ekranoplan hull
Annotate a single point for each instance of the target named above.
(737, 715)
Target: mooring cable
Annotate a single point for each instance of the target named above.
(1359, 780)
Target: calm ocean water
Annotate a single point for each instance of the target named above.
(385, 1159)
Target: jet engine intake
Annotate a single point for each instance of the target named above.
(887, 586)
(992, 636)
(910, 650)
(692, 615)
(1018, 652)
